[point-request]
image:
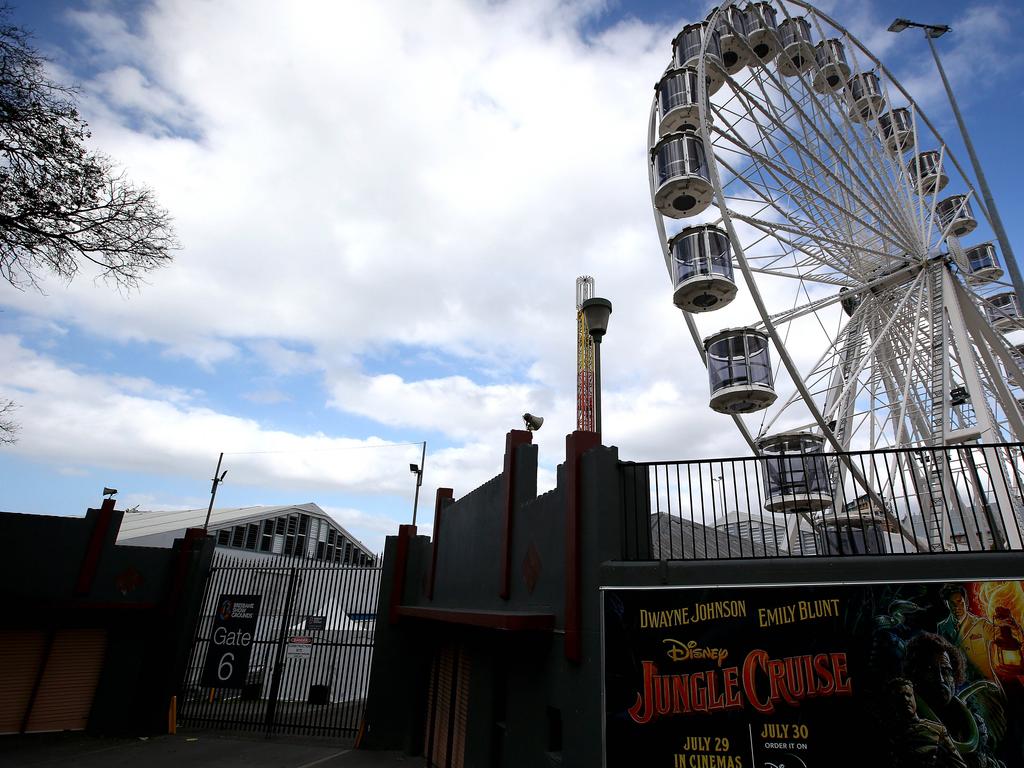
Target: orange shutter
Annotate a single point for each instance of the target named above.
(20, 654)
(451, 668)
(69, 681)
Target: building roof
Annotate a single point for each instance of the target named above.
(140, 523)
(675, 538)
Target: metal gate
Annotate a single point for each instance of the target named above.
(309, 662)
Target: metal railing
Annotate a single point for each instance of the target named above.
(964, 498)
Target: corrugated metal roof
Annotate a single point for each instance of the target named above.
(146, 523)
(674, 538)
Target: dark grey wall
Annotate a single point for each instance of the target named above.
(146, 599)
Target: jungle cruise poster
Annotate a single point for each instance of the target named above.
(905, 675)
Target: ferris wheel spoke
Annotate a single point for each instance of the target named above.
(834, 218)
(850, 136)
(817, 135)
(823, 242)
(810, 276)
(819, 304)
(798, 178)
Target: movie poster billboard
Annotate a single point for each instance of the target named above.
(905, 675)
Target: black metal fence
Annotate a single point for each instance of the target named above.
(964, 498)
(309, 663)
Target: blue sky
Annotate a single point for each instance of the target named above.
(383, 209)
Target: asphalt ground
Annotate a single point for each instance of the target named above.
(190, 748)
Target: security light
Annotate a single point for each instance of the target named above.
(533, 423)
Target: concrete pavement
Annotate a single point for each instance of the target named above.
(190, 748)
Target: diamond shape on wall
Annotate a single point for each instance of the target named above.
(531, 567)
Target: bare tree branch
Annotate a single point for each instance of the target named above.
(8, 426)
(62, 205)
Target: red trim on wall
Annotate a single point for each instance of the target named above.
(513, 440)
(576, 444)
(443, 494)
(506, 620)
(405, 533)
(189, 542)
(93, 550)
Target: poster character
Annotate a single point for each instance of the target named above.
(972, 633)
(913, 742)
(935, 668)
(889, 640)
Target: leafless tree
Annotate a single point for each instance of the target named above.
(8, 426)
(62, 205)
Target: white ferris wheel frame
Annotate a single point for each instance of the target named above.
(970, 333)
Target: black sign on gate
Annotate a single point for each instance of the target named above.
(234, 626)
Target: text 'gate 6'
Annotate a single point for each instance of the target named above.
(282, 646)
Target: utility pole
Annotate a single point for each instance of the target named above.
(218, 478)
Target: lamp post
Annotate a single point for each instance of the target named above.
(931, 31)
(596, 312)
(417, 469)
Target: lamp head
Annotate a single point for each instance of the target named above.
(596, 312)
(899, 25)
(414, 468)
(533, 423)
(109, 492)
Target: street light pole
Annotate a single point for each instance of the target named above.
(596, 312)
(597, 384)
(932, 31)
(418, 471)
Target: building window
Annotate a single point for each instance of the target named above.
(279, 525)
(252, 535)
(223, 537)
(237, 536)
(266, 538)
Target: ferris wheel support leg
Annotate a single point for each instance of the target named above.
(958, 313)
(991, 341)
(933, 505)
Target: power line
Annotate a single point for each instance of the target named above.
(324, 450)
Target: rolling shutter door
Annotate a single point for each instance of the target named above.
(20, 655)
(69, 681)
(447, 709)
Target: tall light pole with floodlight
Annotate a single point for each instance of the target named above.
(596, 311)
(932, 31)
(417, 469)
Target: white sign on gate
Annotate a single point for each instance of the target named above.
(300, 647)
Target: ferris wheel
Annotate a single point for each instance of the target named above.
(871, 313)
